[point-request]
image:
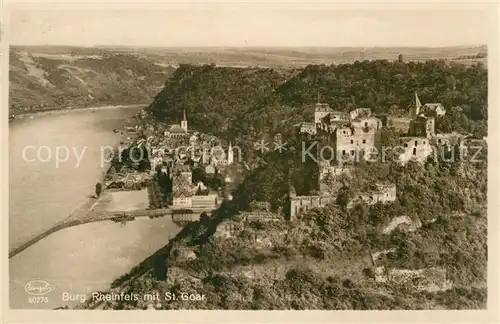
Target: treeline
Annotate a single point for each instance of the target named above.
(471, 57)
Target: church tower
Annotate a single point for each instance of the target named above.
(415, 107)
(184, 122)
(230, 154)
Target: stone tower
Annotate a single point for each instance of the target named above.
(415, 107)
(430, 125)
(184, 122)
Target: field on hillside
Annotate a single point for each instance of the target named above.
(292, 57)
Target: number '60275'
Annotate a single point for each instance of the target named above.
(38, 300)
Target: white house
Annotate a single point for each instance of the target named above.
(433, 108)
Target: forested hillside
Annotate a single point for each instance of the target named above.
(325, 259)
(322, 261)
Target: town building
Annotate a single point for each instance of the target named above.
(433, 109)
(187, 195)
(414, 148)
(321, 110)
(184, 122)
(182, 188)
(415, 107)
(421, 139)
(218, 157)
(307, 128)
(183, 171)
(182, 197)
(178, 131)
(230, 155)
(205, 201)
(428, 109)
(210, 169)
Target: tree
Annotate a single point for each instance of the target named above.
(98, 189)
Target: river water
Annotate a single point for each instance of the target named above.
(77, 260)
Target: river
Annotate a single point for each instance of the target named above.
(81, 259)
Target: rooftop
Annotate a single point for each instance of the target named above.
(360, 113)
(181, 168)
(322, 107)
(176, 129)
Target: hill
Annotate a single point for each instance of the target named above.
(329, 258)
(299, 57)
(55, 77)
(48, 78)
(326, 259)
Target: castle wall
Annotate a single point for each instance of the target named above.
(422, 127)
(319, 115)
(308, 128)
(360, 112)
(414, 148)
(300, 204)
(370, 122)
(324, 171)
(384, 194)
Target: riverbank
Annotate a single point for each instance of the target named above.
(78, 214)
(28, 115)
(78, 258)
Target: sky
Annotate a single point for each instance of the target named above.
(247, 24)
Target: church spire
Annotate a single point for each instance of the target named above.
(417, 101)
(230, 154)
(415, 106)
(184, 123)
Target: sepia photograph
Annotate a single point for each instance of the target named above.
(248, 156)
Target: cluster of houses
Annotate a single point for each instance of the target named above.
(188, 195)
(176, 152)
(177, 144)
